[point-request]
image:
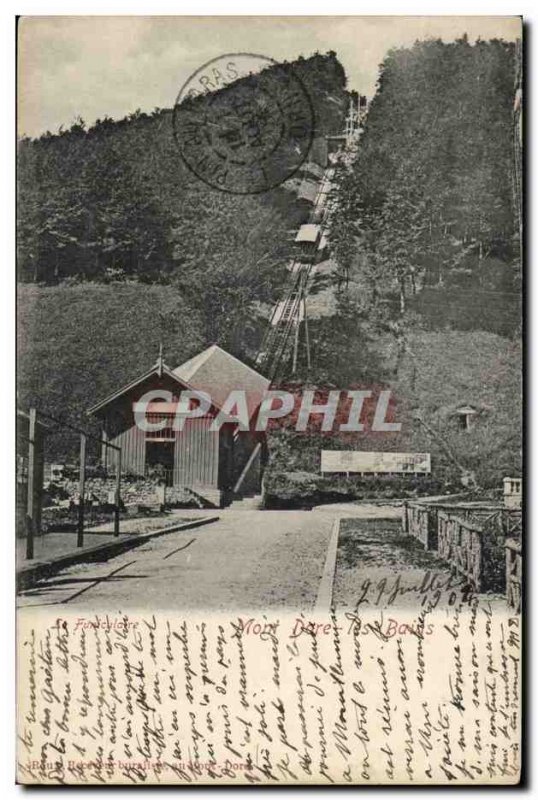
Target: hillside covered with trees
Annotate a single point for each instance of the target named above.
(426, 218)
(426, 237)
(115, 200)
(121, 247)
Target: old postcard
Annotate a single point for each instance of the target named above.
(269, 428)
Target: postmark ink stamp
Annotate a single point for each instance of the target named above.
(244, 123)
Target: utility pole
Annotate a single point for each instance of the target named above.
(307, 340)
(117, 496)
(296, 340)
(30, 486)
(467, 476)
(81, 490)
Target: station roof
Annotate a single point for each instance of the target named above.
(218, 373)
(307, 191)
(158, 370)
(308, 233)
(213, 371)
(313, 169)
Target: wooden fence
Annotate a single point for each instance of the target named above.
(480, 542)
(421, 522)
(512, 522)
(460, 543)
(514, 569)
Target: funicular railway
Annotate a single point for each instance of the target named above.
(289, 320)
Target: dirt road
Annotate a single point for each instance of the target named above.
(246, 560)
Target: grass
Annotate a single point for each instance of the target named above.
(381, 543)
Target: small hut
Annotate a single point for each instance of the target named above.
(466, 416)
(212, 464)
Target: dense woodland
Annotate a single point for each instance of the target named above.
(120, 247)
(427, 212)
(114, 201)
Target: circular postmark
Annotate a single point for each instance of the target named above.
(244, 123)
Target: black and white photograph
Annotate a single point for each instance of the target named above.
(269, 426)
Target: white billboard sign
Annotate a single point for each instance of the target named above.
(363, 462)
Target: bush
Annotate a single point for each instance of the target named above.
(306, 489)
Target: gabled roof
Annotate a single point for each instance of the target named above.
(190, 367)
(159, 369)
(218, 373)
(213, 371)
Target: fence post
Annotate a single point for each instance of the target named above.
(104, 451)
(81, 490)
(508, 572)
(30, 489)
(433, 528)
(405, 519)
(481, 562)
(118, 487)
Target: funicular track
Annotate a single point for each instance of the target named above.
(290, 311)
(284, 318)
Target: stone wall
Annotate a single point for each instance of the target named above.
(180, 496)
(102, 490)
(139, 491)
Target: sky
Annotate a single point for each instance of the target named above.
(96, 66)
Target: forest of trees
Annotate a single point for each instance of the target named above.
(427, 212)
(426, 238)
(114, 201)
(121, 248)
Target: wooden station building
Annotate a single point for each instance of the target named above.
(214, 465)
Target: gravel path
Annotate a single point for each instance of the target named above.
(51, 545)
(246, 560)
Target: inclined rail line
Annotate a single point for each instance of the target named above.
(286, 314)
(289, 311)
